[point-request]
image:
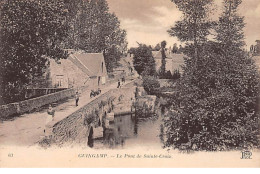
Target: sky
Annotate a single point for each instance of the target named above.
(147, 21)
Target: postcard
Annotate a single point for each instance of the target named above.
(130, 83)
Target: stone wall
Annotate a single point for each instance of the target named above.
(165, 82)
(37, 92)
(74, 128)
(12, 109)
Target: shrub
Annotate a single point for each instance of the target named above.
(176, 75)
(151, 85)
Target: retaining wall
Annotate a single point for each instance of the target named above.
(9, 110)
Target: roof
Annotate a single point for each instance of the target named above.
(89, 63)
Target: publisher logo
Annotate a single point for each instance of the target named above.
(246, 154)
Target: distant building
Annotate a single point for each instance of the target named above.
(173, 61)
(255, 49)
(255, 52)
(77, 70)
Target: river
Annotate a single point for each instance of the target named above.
(130, 132)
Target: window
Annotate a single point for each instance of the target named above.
(59, 80)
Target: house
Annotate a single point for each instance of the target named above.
(255, 49)
(79, 69)
(255, 52)
(173, 61)
(92, 64)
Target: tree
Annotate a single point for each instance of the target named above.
(143, 60)
(30, 31)
(97, 30)
(157, 47)
(175, 48)
(112, 55)
(168, 75)
(151, 85)
(131, 51)
(180, 49)
(240, 79)
(195, 26)
(192, 29)
(216, 102)
(176, 74)
(162, 70)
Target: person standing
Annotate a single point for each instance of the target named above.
(123, 80)
(50, 116)
(77, 98)
(118, 83)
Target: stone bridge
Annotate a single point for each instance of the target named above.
(75, 127)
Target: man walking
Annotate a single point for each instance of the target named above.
(77, 98)
(118, 83)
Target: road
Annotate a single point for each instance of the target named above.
(28, 129)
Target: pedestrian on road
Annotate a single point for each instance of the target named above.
(77, 98)
(123, 80)
(50, 116)
(118, 83)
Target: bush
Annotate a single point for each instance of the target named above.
(176, 75)
(151, 85)
(217, 107)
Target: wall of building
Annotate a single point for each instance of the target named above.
(72, 75)
(173, 63)
(168, 65)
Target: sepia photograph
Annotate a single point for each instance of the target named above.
(130, 83)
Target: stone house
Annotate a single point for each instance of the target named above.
(173, 61)
(79, 69)
(255, 49)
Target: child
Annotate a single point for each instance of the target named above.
(50, 116)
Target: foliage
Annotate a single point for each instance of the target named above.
(167, 75)
(112, 56)
(131, 50)
(95, 30)
(143, 110)
(30, 32)
(157, 47)
(175, 48)
(150, 84)
(176, 74)
(162, 70)
(215, 106)
(143, 60)
(195, 24)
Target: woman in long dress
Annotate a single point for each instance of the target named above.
(50, 117)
